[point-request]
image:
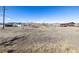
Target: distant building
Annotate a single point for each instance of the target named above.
(13, 25)
(67, 24)
(17, 25)
(77, 25)
(8, 25)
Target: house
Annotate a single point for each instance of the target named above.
(67, 24)
(8, 25)
(13, 25)
(17, 25)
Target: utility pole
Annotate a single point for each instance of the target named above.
(3, 17)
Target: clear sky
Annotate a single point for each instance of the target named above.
(50, 14)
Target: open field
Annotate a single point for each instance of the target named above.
(38, 40)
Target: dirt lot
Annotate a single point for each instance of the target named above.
(44, 39)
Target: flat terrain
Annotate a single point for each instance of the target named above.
(44, 39)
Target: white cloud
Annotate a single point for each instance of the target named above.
(7, 19)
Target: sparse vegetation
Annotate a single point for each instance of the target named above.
(41, 39)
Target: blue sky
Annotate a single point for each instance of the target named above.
(50, 14)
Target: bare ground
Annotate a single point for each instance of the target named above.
(44, 39)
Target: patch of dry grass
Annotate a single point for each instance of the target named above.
(39, 40)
